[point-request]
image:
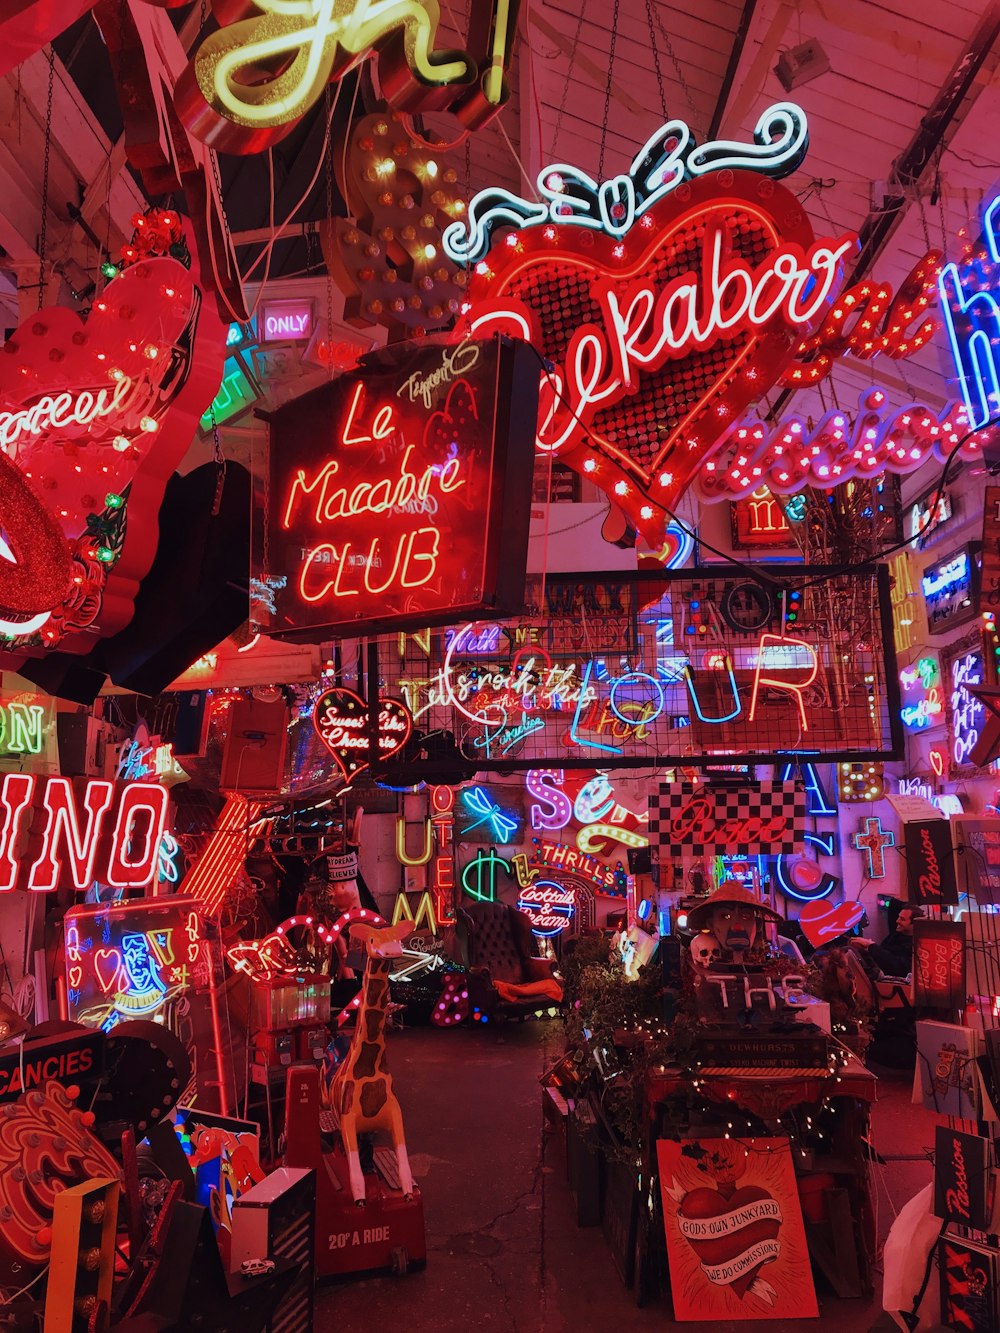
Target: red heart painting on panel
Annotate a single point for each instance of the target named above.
(639, 423)
(704, 1205)
(822, 922)
(341, 721)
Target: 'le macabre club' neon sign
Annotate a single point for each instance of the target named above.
(672, 298)
(395, 486)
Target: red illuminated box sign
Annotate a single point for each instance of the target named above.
(392, 490)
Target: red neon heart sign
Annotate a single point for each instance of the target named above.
(822, 922)
(95, 416)
(662, 338)
(341, 721)
(107, 968)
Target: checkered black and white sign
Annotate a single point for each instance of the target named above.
(765, 817)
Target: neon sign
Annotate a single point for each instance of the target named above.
(57, 834)
(127, 960)
(549, 906)
(397, 484)
(485, 817)
(341, 719)
(443, 864)
(927, 517)
(668, 159)
(673, 696)
(923, 697)
(97, 416)
(760, 521)
(950, 589)
(560, 856)
(968, 714)
(665, 270)
(223, 98)
(972, 321)
(873, 840)
(21, 727)
(286, 321)
(794, 453)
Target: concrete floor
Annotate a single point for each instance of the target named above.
(504, 1250)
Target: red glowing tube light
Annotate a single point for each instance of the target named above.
(395, 486)
(220, 862)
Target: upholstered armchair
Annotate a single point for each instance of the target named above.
(506, 980)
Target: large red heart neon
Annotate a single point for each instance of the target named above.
(96, 415)
(822, 922)
(705, 1204)
(341, 722)
(645, 441)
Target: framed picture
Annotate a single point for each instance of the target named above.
(736, 1243)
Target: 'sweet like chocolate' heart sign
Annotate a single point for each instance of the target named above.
(342, 721)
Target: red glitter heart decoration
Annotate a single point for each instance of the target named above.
(341, 722)
(653, 363)
(822, 922)
(95, 416)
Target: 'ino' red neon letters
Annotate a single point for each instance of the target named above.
(56, 834)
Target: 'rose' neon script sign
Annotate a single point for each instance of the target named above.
(671, 299)
(394, 486)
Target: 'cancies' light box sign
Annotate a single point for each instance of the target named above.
(392, 490)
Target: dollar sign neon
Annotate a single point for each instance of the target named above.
(485, 862)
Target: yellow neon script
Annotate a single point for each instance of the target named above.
(249, 82)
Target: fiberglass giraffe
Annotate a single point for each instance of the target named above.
(361, 1093)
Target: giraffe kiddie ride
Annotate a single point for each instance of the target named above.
(369, 1213)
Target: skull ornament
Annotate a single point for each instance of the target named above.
(705, 949)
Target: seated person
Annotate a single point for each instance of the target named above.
(895, 954)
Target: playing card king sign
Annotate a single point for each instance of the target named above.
(736, 1243)
(393, 490)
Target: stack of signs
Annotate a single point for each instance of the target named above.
(962, 1178)
(947, 1079)
(939, 979)
(968, 1285)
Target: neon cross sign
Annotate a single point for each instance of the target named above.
(873, 841)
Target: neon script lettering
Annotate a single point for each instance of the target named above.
(343, 569)
(645, 328)
(957, 1199)
(795, 453)
(930, 880)
(65, 411)
(972, 321)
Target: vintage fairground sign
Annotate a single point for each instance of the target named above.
(717, 674)
(95, 418)
(394, 490)
(251, 82)
(672, 298)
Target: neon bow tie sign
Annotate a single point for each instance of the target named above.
(666, 160)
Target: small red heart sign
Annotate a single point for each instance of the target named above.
(341, 721)
(822, 922)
